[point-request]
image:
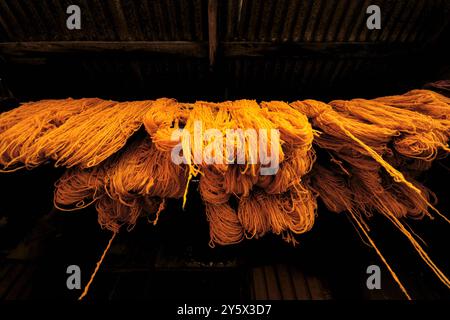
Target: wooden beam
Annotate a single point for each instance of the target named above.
(316, 50)
(177, 48)
(212, 31)
(207, 50)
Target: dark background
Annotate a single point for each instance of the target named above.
(212, 50)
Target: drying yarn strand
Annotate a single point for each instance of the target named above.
(359, 156)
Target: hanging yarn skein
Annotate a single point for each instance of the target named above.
(361, 157)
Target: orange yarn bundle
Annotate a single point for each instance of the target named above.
(225, 227)
(422, 101)
(291, 212)
(370, 153)
(143, 170)
(93, 136)
(78, 188)
(134, 181)
(22, 129)
(225, 177)
(366, 140)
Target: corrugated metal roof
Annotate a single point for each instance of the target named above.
(325, 20)
(240, 20)
(285, 47)
(24, 20)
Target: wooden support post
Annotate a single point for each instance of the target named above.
(212, 32)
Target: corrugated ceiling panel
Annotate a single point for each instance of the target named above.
(330, 20)
(157, 20)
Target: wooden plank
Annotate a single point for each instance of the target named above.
(286, 287)
(230, 21)
(212, 31)
(316, 288)
(202, 49)
(259, 284)
(273, 289)
(236, 49)
(9, 281)
(198, 19)
(21, 284)
(180, 48)
(120, 22)
(300, 285)
(14, 29)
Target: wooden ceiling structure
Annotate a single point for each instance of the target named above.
(216, 50)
